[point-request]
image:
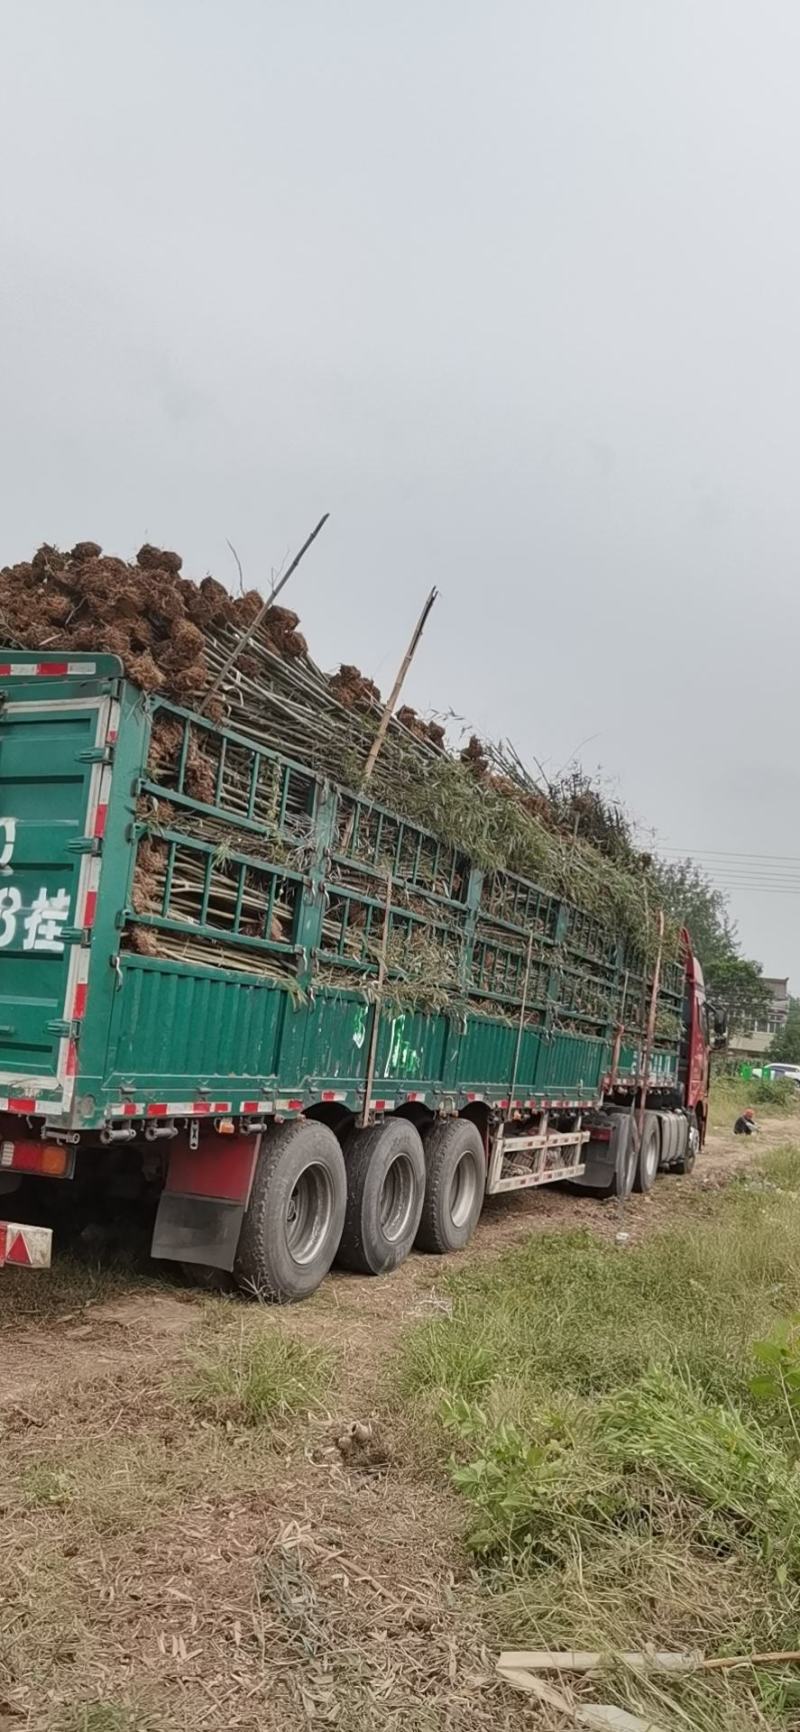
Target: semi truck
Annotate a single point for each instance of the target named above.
(310, 1029)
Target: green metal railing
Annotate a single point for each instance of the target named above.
(242, 848)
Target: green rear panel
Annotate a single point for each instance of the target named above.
(45, 776)
(238, 961)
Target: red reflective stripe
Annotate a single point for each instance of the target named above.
(249, 1106)
(50, 669)
(222, 1106)
(100, 820)
(90, 908)
(200, 1107)
(71, 1065)
(129, 1109)
(79, 1001)
(22, 1105)
(295, 1106)
(159, 1107)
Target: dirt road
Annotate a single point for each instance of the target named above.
(75, 1338)
(161, 1572)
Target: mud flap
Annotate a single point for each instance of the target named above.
(203, 1202)
(606, 1155)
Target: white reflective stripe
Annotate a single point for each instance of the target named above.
(200, 1109)
(33, 670)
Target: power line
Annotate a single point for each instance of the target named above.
(761, 889)
(723, 854)
(756, 878)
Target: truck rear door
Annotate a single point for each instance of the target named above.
(53, 785)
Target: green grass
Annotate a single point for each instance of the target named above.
(46, 1487)
(729, 1096)
(568, 1307)
(628, 1477)
(262, 1379)
(781, 1167)
(107, 1717)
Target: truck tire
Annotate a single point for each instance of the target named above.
(626, 1163)
(385, 1191)
(293, 1222)
(649, 1154)
(455, 1181)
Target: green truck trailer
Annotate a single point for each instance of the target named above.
(313, 1029)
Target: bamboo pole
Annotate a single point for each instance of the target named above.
(244, 640)
(521, 1023)
(389, 706)
(376, 1009)
(651, 1024)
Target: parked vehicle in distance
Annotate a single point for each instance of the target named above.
(307, 1026)
(773, 1071)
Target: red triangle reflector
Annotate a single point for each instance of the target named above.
(17, 1250)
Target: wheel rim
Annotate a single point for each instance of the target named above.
(651, 1157)
(693, 1143)
(463, 1188)
(397, 1198)
(308, 1213)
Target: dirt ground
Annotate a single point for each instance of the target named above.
(159, 1572)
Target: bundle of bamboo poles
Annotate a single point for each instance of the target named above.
(240, 660)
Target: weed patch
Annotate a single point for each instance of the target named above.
(623, 1426)
(768, 1096)
(265, 1377)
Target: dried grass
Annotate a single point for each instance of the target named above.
(168, 1567)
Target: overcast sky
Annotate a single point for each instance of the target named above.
(511, 288)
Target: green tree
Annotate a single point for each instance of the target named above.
(734, 982)
(785, 1048)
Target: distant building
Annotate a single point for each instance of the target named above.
(755, 1042)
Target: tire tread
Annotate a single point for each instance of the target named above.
(253, 1265)
(436, 1141)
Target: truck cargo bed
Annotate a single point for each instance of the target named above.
(191, 925)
